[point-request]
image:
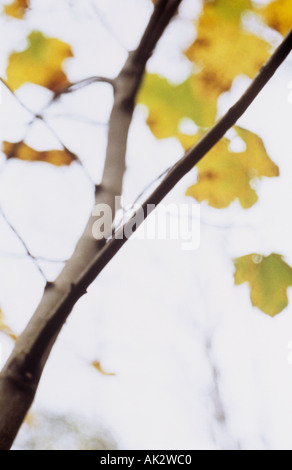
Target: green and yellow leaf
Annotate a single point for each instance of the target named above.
(24, 152)
(268, 277)
(223, 49)
(224, 176)
(17, 8)
(40, 63)
(168, 104)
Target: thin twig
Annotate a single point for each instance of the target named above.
(72, 87)
(82, 84)
(107, 26)
(129, 209)
(77, 118)
(43, 259)
(40, 116)
(149, 185)
(67, 150)
(15, 96)
(20, 239)
(220, 413)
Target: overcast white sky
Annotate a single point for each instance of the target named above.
(151, 313)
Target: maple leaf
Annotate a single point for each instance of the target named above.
(268, 277)
(278, 15)
(40, 63)
(5, 329)
(23, 152)
(223, 49)
(99, 368)
(224, 176)
(168, 104)
(17, 8)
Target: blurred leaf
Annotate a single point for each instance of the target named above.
(168, 104)
(98, 367)
(222, 49)
(224, 176)
(30, 418)
(41, 63)
(268, 277)
(24, 152)
(59, 432)
(6, 329)
(278, 15)
(17, 8)
(228, 9)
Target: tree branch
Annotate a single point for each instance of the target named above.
(15, 96)
(22, 372)
(107, 26)
(81, 84)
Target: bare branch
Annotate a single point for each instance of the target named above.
(20, 239)
(81, 84)
(67, 150)
(82, 119)
(15, 96)
(8, 254)
(107, 26)
(72, 87)
(221, 433)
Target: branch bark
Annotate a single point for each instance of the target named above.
(21, 375)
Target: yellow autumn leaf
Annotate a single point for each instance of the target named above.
(40, 63)
(223, 49)
(224, 176)
(99, 368)
(17, 8)
(278, 15)
(168, 104)
(268, 277)
(5, 329)
(24, 152)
